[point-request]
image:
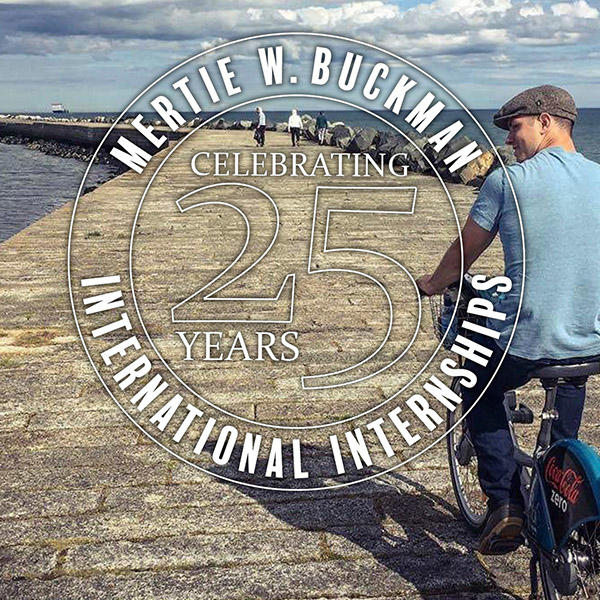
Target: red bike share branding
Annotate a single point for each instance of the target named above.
(567, 482)
(568, 491)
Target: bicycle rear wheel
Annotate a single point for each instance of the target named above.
(471, 500)
(582, 553)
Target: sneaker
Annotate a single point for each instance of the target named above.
(502, 531)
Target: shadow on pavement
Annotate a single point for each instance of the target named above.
(393, 519)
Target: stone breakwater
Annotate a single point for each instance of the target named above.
(417, 153)
(62, 149)
(78, 138)
(74, 138)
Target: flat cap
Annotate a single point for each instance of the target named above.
(535, 101)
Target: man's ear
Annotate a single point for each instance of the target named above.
(545, 120)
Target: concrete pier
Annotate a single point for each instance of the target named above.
(90, 508)
(80, 133)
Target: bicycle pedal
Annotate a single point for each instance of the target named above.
(465, 452)
(510, 400)
(523, 415)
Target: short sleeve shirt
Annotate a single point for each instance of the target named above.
(558, 195)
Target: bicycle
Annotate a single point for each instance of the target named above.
(560, 483)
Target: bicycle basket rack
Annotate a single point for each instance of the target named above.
(442, 310)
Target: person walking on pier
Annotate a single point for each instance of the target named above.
(295, 126)
(261, 126)
(321, 127)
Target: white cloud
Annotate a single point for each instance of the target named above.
(77, 2)
(466, 8)
(494, 36)
(320, 17)
(436, 28)
(533, 10)
(580, 9)
(42, 45)
(485, 44)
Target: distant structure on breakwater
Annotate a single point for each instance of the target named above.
(58, 108)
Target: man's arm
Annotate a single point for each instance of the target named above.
(475, 240)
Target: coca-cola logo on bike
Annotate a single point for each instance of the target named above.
(567, 482)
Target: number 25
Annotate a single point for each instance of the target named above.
(386, 200)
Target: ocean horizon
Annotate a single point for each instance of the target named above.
(32, 184)
(586, 132)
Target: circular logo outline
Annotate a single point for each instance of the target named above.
(79, 193)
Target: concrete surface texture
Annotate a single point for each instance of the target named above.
(90, 508)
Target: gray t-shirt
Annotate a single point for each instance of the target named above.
(559, 199)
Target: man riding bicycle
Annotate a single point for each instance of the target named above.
(558, 191)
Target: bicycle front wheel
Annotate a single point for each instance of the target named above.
(472, 502)
(582, 555)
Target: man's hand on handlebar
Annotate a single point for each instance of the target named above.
(424, 285)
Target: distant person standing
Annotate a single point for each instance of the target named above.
(295, 127)
(321, 127)
(261, 126)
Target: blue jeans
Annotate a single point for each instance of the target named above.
(488, 423)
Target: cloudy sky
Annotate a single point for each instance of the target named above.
(96, 55)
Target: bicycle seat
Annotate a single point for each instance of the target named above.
(567, 371)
